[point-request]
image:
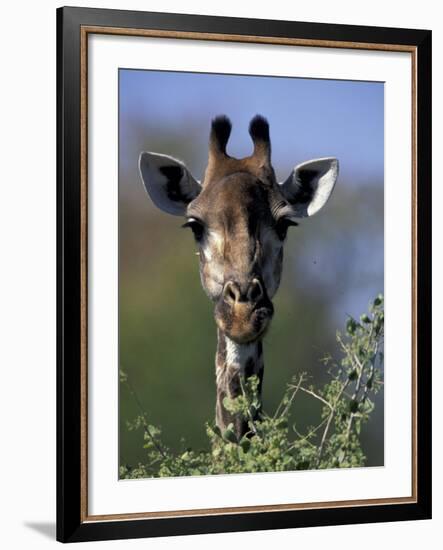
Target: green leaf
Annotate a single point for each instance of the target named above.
(216, 430)
(350, 326)
(282, 422)
(353, 375)
(378, 300)
(229, 434)
(245, 444)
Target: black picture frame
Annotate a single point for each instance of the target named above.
(71, 523)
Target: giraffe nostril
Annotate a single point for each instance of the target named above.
(255, 291)
(231, 292)
(252, 292)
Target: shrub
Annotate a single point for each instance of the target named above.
(272, 444)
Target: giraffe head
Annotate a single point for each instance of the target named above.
(239, 216)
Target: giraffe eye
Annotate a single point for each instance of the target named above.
(282, 225)
(197, 228)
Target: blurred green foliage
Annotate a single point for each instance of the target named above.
(272, 444)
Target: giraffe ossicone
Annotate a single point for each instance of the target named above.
(239, 215)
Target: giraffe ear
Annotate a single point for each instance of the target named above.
(309, 186)
(168, 182)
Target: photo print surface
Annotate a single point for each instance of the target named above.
(251, 269)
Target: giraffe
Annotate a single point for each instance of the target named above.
(239, 215)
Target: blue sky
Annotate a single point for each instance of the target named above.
(308, 117)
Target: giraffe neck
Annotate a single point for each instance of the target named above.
(232, 361)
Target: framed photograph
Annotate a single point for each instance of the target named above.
(244, 274)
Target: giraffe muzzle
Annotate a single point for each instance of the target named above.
(244, 311)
